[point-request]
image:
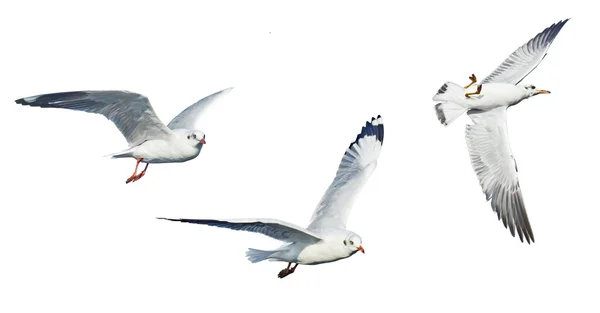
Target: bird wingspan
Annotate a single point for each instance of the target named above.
(356, 167)
(526, 58)
(189, 118)
(494, 164)
(130, 112)
(273, 228)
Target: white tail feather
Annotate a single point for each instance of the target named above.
(255, 255)
(450, 95)
(122, 154)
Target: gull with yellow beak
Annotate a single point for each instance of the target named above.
(326, 238)
(487, 139)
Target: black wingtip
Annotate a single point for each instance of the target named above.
(20, 101)
(167, 219)
(371, 128)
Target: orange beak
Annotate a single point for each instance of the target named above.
(202, 141)
(543, 91)
(360, 248)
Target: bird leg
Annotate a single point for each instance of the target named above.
(473, 81)
(287, 271)
(468, 94)
(135, 177)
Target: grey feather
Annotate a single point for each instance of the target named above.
(130, 112)
(492, 160)
(526, 58)
(188, 118)
(275, 229)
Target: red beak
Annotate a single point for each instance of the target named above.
(360, 248)
(202, 141)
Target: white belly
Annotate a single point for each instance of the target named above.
(495, 95)
(321, 253)
(162, 151)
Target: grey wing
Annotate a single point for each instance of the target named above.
(130, 112)
(525, 59)
(188, 118)
(496, 169)
(275, 229)
(356, 167)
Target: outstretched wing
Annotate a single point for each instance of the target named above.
(275, 229)
(356, 167)
(496, 169)
(130, 112)
(525, 59)
(188, 118)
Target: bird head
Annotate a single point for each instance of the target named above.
(196, 137)
(531, 91)
(353, 243)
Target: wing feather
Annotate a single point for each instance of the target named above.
(493, 162)
(188, 118)
(275, 229)
(526, 58)
(130, 112)
(357, 165)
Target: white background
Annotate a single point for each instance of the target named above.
(307, 75)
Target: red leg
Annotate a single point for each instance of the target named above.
(287, 271)
(132, 177)
(142, 173)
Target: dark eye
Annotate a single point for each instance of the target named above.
(194, 136)
(351, 242)
(188, 136)
(532, 87)
(345, 244)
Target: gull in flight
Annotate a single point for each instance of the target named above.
(487, 139)
(326, 238)
(150, 141)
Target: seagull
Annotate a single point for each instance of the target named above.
(150, 141)
(487, 139)
(326, 238)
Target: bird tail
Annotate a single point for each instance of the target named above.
(123, 154)
(450, 95)
(255, 255)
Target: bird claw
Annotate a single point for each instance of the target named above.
(134, 178)
(284, 272)
(473, 78)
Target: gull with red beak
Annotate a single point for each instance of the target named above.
(150, 141)
(487, 138)
(326, 238)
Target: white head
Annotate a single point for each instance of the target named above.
(195, 137)
(531, 91)
(353, 243)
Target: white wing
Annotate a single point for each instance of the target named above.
(188, 118)
(525, 59)
(496, 169)
(356, 167)
(130, 112)
(275, 229)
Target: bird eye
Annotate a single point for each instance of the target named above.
(188, 136)
(351, 242)
(345, 244)
(532, 87)
(194, 136)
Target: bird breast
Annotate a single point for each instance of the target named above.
(323, 252)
